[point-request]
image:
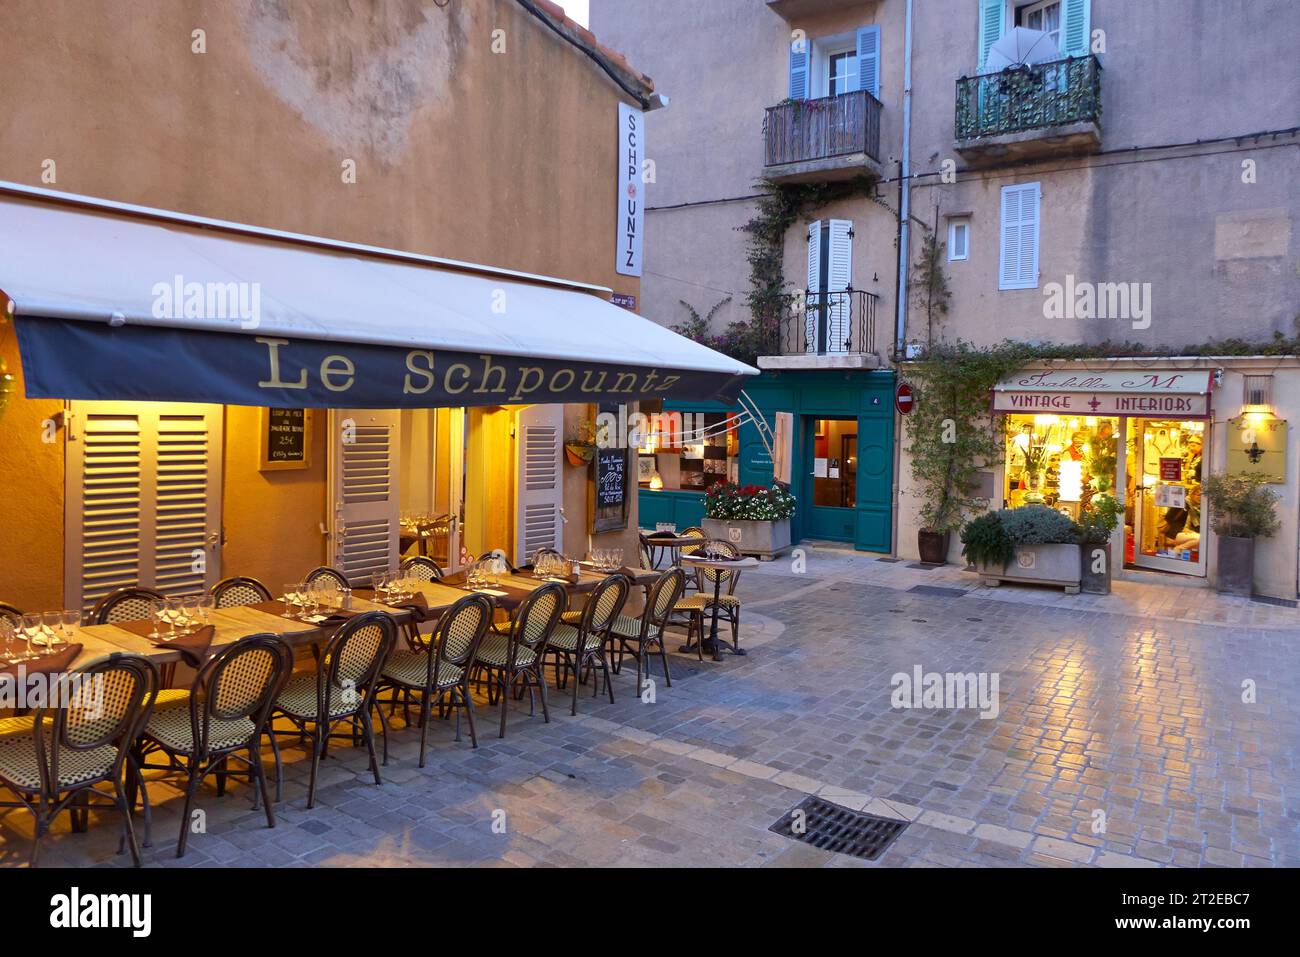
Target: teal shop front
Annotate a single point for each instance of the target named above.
(843, 446)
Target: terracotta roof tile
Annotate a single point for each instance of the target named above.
(613, 58)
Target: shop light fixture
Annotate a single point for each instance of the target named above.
(656, 482)
(1257, 394)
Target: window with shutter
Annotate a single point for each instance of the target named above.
(799, 70)
(868, 54)
(540, 483)
(365, 491)
(143, 499)
(1018, 266)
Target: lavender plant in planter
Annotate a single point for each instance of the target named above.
(1033, 544)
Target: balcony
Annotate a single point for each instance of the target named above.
(832, 138)
(791, 10)
(827, 330)
(1029, 112)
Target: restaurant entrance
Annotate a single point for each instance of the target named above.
(1164, 524)
(832, 465)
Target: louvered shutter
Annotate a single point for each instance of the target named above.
(143, 499)
(1076, 27)
(540, 480)
(799, 70)
(992, 26)
(812, 305)
(869, 60)
(1018, 266)
(839, 279)
(365, 492)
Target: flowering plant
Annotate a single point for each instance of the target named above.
(748, 503)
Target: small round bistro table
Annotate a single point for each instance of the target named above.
(669, 546)
(711, 644)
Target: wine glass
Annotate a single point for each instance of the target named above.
(29, 632)
(51, 621)
(207, 604)
(7, 636)
(172, 615)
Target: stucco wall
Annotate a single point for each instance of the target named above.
(502, 158)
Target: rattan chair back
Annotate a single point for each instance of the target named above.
(234, 592)
(125, 604)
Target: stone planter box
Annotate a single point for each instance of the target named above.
(1039, 565)
(766, 540)
(1095, 582)
(1236, 566)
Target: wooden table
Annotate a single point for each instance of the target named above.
(231, 624)
(731, 564)
(670, 545)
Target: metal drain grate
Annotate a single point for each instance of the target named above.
(834, 828)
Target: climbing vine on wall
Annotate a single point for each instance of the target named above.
(768, 299)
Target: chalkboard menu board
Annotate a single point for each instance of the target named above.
(286, 439)
(609, 498)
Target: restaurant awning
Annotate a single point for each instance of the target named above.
(1153, 393)
(121, 302)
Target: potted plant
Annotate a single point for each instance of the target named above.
(754, 518)
(1095, 526)
(1043, 547)
(580, 447)
(1242, 510)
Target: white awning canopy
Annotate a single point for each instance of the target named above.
(97, 275)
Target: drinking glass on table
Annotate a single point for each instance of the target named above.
(7, 638)
(290, 601)
(50, 624)
(207, 605)
(29, 631)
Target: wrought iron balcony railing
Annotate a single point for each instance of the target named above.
(830, 323)
(1024, 98)
(801, 130)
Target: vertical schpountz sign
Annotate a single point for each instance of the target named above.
(631, 204)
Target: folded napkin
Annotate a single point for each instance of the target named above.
(54, 663)
(193, 647)
(632, 573)
(417, 605)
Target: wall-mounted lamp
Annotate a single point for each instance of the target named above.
(1257, 394)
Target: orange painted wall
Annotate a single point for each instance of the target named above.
(507, 159)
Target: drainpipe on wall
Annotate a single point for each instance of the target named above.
(904, 214)
(904, 187)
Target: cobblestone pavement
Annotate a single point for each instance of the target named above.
(1121, 739)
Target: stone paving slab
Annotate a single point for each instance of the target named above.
(1121, 739)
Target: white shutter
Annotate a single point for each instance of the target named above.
(839, 278)
(1018, 266)
(365, 491)
(811, 311)
(143, 499)
(539, 480)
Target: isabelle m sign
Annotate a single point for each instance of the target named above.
(631, 204)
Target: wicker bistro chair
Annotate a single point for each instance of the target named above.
(698, 606)
(693, 531)
(513, 654)
(229, 710)
(442, 670)
(641, 636)
(125, 604)
(341, 689)
(326, 573)
(12, 612)
(82, 738)
(425, 569)
(578, 643)
(233, 592)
